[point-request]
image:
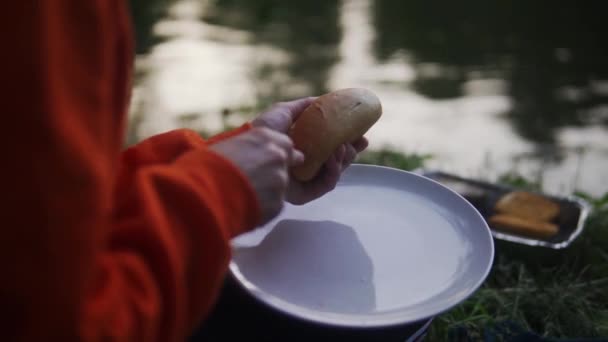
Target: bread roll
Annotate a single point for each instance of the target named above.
(521, 226)
(528, 206)
(331, 120)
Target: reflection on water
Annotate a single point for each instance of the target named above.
(481, 85)
(552, 57)
(306, 30)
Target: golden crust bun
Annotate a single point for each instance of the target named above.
(331, 120)
(527, 205)
(521, 226)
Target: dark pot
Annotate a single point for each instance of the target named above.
(240, 317)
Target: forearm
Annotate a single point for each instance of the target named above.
(168, 249)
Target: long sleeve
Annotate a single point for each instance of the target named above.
(170, 236)
(100, 244)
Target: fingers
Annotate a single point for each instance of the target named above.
(297, 157)
(333, 168)
(360, 144)
(328, 177)
(340, 154)
(352, 150)
(344, 156)
(284, 146)
(282, 115)
(295, 107)
(349, 156)
(275, 137)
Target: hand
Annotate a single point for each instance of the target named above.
(279, 118)
(264, 156)
(282, 115)
(329, 175)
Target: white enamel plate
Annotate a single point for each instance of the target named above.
(385, 247)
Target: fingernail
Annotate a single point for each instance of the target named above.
(297, 157)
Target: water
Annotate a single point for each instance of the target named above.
(484, 87)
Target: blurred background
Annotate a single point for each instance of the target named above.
(482, 87)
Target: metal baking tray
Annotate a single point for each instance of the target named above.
(483, 196)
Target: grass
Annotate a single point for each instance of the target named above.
(387, 157)
(552, 293)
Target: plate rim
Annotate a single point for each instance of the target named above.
(378, 320)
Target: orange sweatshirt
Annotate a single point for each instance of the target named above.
(99, 244)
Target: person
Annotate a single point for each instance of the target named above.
(101, 244)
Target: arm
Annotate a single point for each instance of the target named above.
(168, 247)
(93, 248)
(166, 147)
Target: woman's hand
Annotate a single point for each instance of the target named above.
(280, 118)
(264, 156)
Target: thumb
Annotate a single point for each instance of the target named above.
(296, 107)
(284, 114)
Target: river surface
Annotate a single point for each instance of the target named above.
(485, 88)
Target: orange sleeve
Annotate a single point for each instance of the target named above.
(162, 148)
(99, 244)
(229, 134)
(166, 147)
(170, 238)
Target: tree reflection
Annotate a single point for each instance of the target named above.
(307, 30)
(550, 53)
(146, 13)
